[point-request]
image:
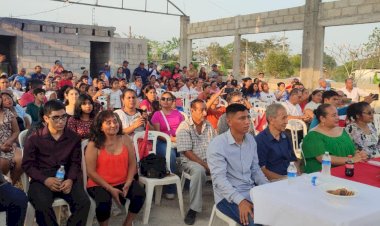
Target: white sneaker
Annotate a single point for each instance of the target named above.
(170, 196)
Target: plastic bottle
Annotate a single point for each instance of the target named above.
(292, 172)
(349, 171)
(60, 175)
(326, 164)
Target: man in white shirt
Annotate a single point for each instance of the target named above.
(187, 88)
(265, 95)
(354, 93)
(293, 108)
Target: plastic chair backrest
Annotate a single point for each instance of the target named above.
(84, 168)
(21, 138)
(29, 119)
(376, 121)
(223, 102)
(153, 136)
(293, 125)
(159, 91)
(186, 117)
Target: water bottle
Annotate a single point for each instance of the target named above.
(326, 164)
(292, 172)
(60, 175)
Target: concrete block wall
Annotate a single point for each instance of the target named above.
(42, 43)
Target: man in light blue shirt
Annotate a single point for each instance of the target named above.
(233, 162)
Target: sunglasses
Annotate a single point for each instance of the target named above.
(166, 99)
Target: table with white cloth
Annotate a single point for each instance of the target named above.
(300, 203)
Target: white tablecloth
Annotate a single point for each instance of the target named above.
(281, 204)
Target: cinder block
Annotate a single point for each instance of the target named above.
(48, 52)
(294, 10)
(26, 52)
(364, 9)
(36, 52)
(357, 2)
(279, 20)
(85, 31)
(327, 5)
(283, 12)
(273, 13)
(349, 11)
(299, 17)
(341, 4)
(268, 21)
(69, 30)
(32, 27)
(60, 53)
(288, 19)
(42, 59)
(73, 42)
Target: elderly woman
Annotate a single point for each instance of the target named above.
(111, 167)
(361, 128)
(328, 137)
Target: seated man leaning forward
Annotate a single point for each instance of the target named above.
(274, 147)
(45, 151)
(193, 138)
(233, 162)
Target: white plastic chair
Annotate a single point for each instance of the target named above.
(152, 184)
(30, 211)
(376, 121)
(21, 138)
(159, 91)
(222, 216)
(293, 126)
(91, 213)
(29, 119)
(223, 102)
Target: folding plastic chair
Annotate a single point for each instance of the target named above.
(293, 126)
(222, 216)
(152, 184)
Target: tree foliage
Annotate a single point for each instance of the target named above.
(163, 51)
(278, 64)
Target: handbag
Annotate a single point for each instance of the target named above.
(144, 145)
(153, 166)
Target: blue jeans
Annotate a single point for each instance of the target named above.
(232, 210)
(14, 202)
(161, 151)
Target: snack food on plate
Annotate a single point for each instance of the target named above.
(341, 192)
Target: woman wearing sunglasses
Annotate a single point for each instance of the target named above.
(361, 128)
(167, 121)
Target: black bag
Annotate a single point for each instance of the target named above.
(153, 166)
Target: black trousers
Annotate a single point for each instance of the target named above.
(42, 199)
(103, 200)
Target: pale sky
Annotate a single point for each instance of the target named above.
(162, 27)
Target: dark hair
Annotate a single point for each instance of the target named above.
(205, 85)
(195, 102)
(212, 83)
(9, 95)
(234, 82)
(83, 77)
(321, 111)
(297, 84)
(96, 134)
(356, 109)
(234, 108)
(314, 93)
(34, 83)
(113, 80)
(52, 105)
(126, 91)
(280, 83)
(78, 106)
(38, 90)
(294, 92)
(171, 94)
(251, 90)
(328, 94)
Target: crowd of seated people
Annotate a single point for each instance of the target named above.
(108, 109)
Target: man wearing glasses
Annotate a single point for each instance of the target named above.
(45, 151)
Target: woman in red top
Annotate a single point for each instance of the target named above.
(111, 166)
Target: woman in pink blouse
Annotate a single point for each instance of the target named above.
(149, 96)
(83, 117)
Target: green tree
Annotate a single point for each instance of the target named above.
(278, 64)
(329, 61)
(163, 51)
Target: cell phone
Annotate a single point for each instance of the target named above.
(229, 90)
(375, 96)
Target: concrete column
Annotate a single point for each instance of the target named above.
(236, 56)
(313, 44)
(185, 43)
(189, 55)
(236, 52)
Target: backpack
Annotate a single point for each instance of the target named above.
(153, 166)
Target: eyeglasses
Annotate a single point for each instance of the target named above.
(59, 118)
(166, 99)
(369, 113)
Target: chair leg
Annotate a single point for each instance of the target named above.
(183, 181)
(180, 199)
(30, 212)
(91, 213)
(148, 202)
(211, 221)
(158, 194)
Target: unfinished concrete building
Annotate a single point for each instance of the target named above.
(27, 43)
